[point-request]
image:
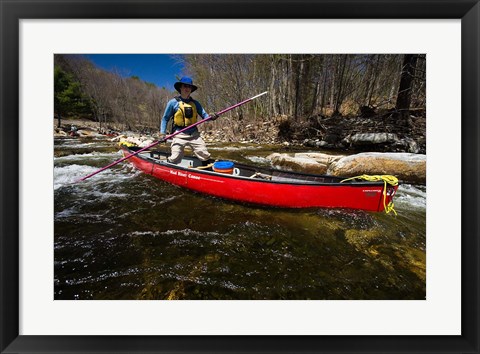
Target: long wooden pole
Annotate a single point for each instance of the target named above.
(169, 137)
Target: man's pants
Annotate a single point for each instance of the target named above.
(195, 141)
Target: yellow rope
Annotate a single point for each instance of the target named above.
(391, 180)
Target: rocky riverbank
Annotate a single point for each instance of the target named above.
(83, 128)
(380, 132)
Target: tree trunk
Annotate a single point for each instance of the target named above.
(59, 117)
(314, 98)
(273, 96)
(404, 96)
(374, 82)
(298, 79)
(339, 98)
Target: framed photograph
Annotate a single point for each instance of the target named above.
(47, 308)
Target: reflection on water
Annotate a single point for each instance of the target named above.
(125, 235)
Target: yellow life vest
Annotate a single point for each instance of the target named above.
(186, 113)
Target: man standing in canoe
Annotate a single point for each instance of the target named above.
(185, 111)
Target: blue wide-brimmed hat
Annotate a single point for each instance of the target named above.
(184, 80)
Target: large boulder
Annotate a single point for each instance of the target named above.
(316, 163)
(406, 167)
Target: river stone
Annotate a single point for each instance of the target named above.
(406, 167)
(137, 140)
(374, 138)
(88, 133)
(59, 133)
(306, 162)
(146, 142)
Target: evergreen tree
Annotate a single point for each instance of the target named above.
(68, 97)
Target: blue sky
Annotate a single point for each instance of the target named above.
(160, 69)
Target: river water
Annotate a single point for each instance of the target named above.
(122, 234)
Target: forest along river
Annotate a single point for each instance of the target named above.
(122, 234)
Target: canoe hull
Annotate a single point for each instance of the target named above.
(364, 196)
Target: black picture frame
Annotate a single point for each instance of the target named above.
(12, 11)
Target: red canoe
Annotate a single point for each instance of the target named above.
(266, 186)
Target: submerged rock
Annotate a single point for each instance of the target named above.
(362, 239)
